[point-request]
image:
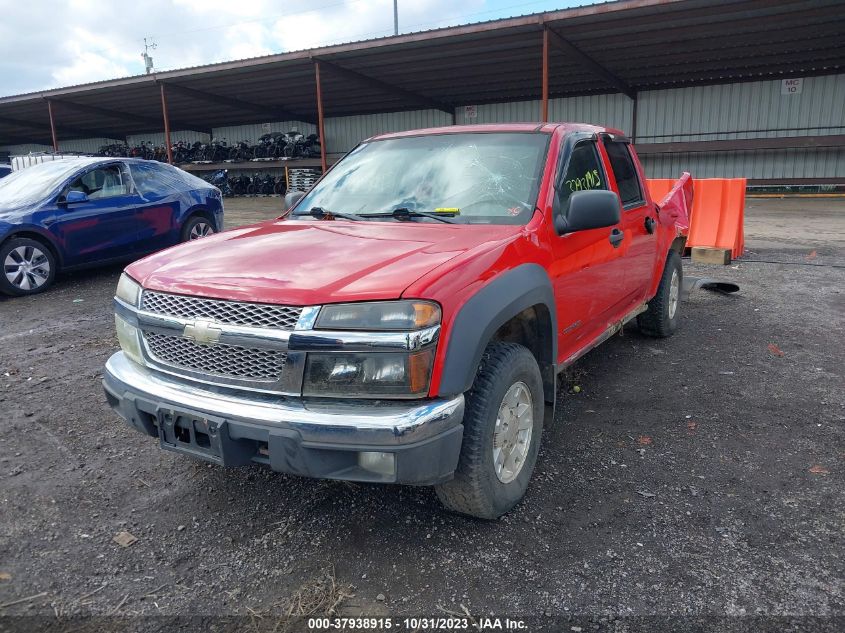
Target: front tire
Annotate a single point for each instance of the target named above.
(197, 227)
(503, 423)
(28, 267)
(661, 318)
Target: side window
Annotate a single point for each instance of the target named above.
(584, 171)
(104, 182)
(622, 164)
(147, 180)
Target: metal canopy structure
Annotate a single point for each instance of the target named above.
(625, 46)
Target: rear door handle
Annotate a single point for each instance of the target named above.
(616, 237)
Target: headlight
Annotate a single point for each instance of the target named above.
(128, 290)
(372, 375)
(379, 315)
(127, 336)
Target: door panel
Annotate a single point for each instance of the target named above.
(158, 209)
(641, 247)
(588, 271)
(104, 226)
(97, 230)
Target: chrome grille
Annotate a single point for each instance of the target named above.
(231, 361)
(228, 312)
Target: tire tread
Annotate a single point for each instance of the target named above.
(465, 492)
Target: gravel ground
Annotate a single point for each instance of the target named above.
(700, 475)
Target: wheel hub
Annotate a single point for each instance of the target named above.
(26, 267)
(201, 229)
(674, 293)
(512, 434)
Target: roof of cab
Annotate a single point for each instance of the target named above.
(545, 128)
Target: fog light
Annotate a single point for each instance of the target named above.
(379, 463)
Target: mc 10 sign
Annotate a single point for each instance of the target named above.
(791, 86)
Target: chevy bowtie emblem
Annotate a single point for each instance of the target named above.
(202, 332)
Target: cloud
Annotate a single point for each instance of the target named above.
(55, 43)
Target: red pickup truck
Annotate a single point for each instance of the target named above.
(406, 319)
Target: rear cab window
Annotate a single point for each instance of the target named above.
(625, 172)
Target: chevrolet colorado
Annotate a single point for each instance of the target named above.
(406, 319)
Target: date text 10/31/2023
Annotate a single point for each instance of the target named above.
(416, 624)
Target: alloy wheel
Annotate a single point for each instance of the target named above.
(200, 229)
(27, 268)
(674, 293)
(512, 434)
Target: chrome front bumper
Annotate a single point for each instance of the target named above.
(320, 438)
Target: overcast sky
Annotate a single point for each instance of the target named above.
(50, 43)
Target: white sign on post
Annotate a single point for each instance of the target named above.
(791, 86)
(470, 112)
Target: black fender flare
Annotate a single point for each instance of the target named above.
(485, 312)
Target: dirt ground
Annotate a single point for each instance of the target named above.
(700, 475)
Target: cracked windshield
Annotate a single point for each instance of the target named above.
(478, 178)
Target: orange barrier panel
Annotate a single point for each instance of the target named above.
(718, 211)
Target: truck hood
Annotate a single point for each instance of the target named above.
(304, 262)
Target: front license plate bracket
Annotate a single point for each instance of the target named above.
(196, 434)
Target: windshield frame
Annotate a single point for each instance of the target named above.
(299, 212)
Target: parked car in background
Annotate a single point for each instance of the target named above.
(68, 214)
(5, 170)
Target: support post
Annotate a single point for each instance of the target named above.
(52, 126)
(544, 115)
(634, 118)
(167, 143)
(321, 130)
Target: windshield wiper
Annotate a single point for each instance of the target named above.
(320, 213)
(403, 214)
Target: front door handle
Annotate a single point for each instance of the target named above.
(616, 237)
(649, 225)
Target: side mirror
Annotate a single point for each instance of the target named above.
(587, 210)
(74, 196)
(292, 198)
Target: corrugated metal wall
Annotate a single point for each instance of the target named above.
(745, 110)
(251, 133)
(157, 139)
(610, 110)
(728, 111)
(85, 146)
(783, 164)
(344, 133)
(741, 110)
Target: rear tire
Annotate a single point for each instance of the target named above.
(27, 267)
(661, 318)
(503, 423)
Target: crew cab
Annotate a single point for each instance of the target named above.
(405, 320)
